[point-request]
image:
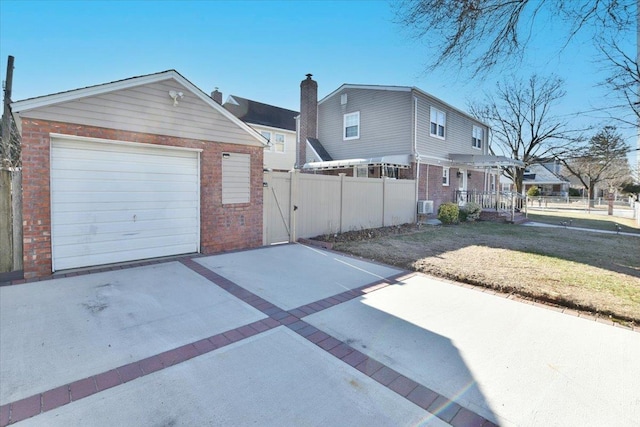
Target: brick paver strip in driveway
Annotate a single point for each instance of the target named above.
(58, 331)
(351, 357)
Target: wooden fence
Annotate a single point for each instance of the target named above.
(10, 222)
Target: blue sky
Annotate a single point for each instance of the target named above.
(261, 50)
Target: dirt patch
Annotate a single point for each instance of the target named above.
(368, 234)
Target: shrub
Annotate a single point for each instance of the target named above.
(533, 192)
(574, 192)
(448, 213)
(470, 212)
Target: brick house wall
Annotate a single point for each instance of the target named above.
(431, 176)
(222, 227)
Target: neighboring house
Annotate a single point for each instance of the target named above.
(277, 125)
(397, 132)
(139, 168)
(545, 176)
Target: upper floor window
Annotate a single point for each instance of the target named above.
(278, 145)
(445, 176)
(267, 135)
(477, 137)
(351, 126)
(438, 123)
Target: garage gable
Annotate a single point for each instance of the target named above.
(162, 104)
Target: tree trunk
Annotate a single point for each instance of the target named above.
(519, 178)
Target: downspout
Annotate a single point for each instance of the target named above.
(416, 155)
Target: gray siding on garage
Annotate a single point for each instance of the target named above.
(458, 132)
(385, 123)
(148, 109)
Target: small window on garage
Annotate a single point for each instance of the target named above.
(236, 178)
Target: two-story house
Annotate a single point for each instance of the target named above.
(397, 132)
(276, 124)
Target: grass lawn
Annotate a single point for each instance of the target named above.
(588, 271)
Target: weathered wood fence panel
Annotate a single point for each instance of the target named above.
(10, 220)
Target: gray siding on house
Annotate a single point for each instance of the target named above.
(148, 109)
(385, 123)
(458, 131)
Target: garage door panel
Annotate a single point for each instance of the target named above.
(132, 206)
(134, 186)
(121, 197)
(134, 243)
(116, 238)
(81, 149)
(113, 257)
(133, 218)
(151, 178)
(125, 164)
(119, 202)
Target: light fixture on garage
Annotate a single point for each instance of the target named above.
(175, 95)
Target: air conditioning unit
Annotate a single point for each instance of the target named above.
(425, 206)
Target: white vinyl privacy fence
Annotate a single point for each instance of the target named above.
(298, 205)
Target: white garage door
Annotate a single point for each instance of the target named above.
(122, 202)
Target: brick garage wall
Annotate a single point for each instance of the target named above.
(222, 227)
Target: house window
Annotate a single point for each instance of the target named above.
(390, 172)
(278, 146)
(477, 137)
(351, 126)
(267, 135)
(236, 178)
(362, 171)
(445, 177)
(438, 123)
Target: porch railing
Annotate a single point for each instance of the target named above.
(505, 201)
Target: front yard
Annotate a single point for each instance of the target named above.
(583, 270)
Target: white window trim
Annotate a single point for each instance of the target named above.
(344, 126)
(473, 137)
(445, 174)
(444, 124)
(275, 141)
(361, 171)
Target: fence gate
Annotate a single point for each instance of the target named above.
(276, 205)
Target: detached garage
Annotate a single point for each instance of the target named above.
(132, 170)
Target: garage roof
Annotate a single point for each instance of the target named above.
(75, 94)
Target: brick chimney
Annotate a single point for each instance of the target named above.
(216, 95)
(308, 117)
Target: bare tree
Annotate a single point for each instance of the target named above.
(10, 151)
(603, 160)
(624, 77)
(522, 123)
(480, 34)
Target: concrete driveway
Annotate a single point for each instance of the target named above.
(292, 335)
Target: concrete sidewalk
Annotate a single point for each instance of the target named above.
(292, 335)
(591, 230)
